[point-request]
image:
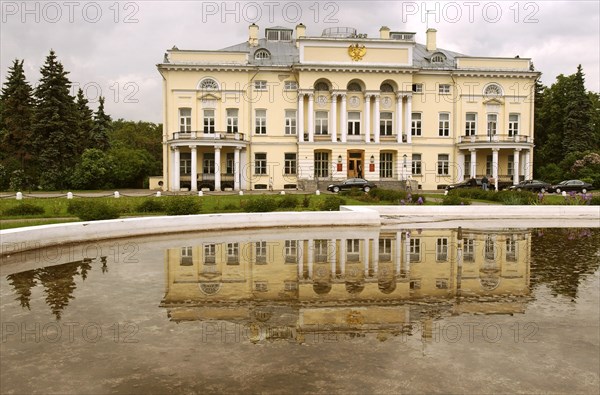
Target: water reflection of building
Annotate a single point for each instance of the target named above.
(358, 280)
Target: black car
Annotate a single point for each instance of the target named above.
(472, 183)
(571, 186)
(359, 183)
(531, 185)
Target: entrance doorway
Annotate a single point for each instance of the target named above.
(356, 164)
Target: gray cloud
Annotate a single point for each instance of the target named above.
(114, 52)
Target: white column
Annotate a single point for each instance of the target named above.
(399, 117)
(366, 256)
(473, 170)
(194, 168)
(343, 120)
(408, 119)
(516, 166)
(176, 175)
(375, 256)
(218, 168)
(406, 263)
(367, 122)
(332, 253)
(311, 117)
(333, 123)
(527, 172)
(461, 166)
(300, 261)
(310, 257)
(398, 253)
(376, 119)
(236, 169)
(172, 170)
(495, 167)
(300, 120)
(343, 257)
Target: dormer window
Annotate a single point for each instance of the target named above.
(438, 58)
(279, 35)
(208, 84)
(262, 54)
(492, 90)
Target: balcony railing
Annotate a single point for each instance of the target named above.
(497, 138)
(195, 135)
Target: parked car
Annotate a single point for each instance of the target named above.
(571, 185)
(350, 183)
(471, 183)
(531, 185)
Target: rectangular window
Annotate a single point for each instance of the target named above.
(290, 85)
(416, 164)
(417, 88)
(230, 162)
(511, 165)
(289, 166)
(261, 252)
(261, 286)
(353, 123)
(490, 248)
(415, 250)
(468, 166)
(321, 251)
(415, 284)
(290, 122)
(488, 164)
(385, 250)
(260, 85)
(415, 128)
(353, 250)
(471, 124)
(260, 122)
(443, 164)
(290, 286)
(441, 284)
(513, 124)
(185, 163)
(233, 254)
(386, 165)
(260, 163)
(291, 251)
(444, 124)
(186, 256)
(468, 250)
(492, 124)
(385, 124)
(511, 250)
(232, 120)
(444, 89)
(209, 254)
(185, 119)
(441, 250)
(208, 163)
(321, 122)
(321, 164)
(209, 121)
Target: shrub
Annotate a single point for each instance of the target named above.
(24, 209)
(92, 210)
(595, 200)
(455, 200)
(151, 205)
(387, 194)
(306, 201)
(183, 205)
(288, 201)
(262, 204)
(331, 203)
(515, 197)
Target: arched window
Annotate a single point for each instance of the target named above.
(438, 58)
(208, 84)
(492, 90)
(262, 54)
(354, 87)
(321, 86)
(386, 88)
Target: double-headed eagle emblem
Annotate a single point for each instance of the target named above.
(357, 51)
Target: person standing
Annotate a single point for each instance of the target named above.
(484, 183)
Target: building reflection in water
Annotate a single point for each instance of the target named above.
(348, 281)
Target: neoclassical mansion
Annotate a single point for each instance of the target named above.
(292, 111)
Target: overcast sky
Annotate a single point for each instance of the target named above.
(112, 48)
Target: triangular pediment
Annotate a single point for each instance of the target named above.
(494, 102)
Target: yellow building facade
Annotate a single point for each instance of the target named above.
(293, 111)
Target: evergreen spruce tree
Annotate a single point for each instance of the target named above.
(578, 133)
(16, 112)
(22, 284)
(55, 134)
(103, 124)
(59, 285)
(85, 123)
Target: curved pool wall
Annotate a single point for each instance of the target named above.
(29, 238)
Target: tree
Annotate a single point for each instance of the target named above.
(16, 112)
(59, 285)
(55, 125)
(85, 123)
(94, 170)
(22, 284)
(578, 133)
(102, 127)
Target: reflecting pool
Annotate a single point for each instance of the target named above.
(337, 310)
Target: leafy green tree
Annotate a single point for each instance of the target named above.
(578, 133)
(16, 112)
(55, 136)
(131, 166)
(94, 170)
(141, 135)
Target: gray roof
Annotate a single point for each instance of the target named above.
(422, 58)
